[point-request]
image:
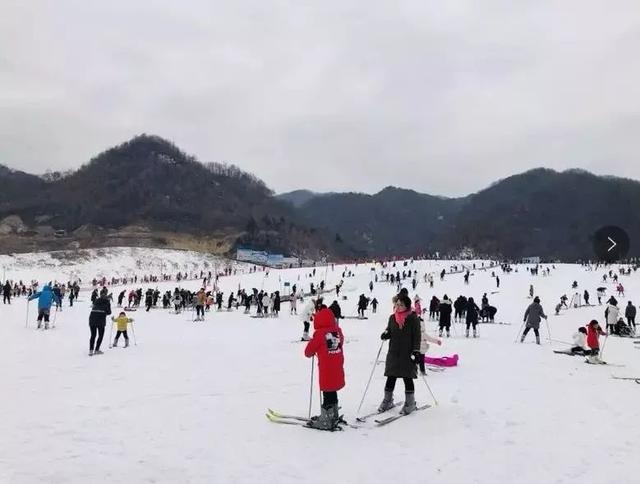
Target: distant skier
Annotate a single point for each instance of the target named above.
(363, 303)
(498, 282)
(201, 299)
(6, 293)
(337, 311)
(434, 306)
(374, 305)
(612, 314)
(417, 306)
(97, 321)
(122, 323)
(472, 317)
(307, 317)
(630, 314)
(585, 296)
(445, 310)
(532, 317)
(45, 298)
(531, 291)
(594, 331)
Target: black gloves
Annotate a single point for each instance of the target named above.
(385, 336)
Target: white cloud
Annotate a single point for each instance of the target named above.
(443, 97)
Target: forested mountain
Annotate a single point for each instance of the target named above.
(149, 182)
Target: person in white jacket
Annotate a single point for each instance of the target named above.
(580, 346)
(425, 339)
(613, 314)
(307, 316)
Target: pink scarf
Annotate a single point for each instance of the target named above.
(400, 317)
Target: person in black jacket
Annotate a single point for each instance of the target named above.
(97, 321)
(336, 310)
(6, 293)
(630, 314)
(403, 333)
(445, 310)
(472, 316)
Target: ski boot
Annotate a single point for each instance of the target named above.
(46, 325)
(409, 403)
(115, 343)
(327, 420)
(522, 339)
(387, 402)
(440, 332)
(305, 337)
(39, 325)
(98, 352)
(448, 334)
(126, 343)
(467, 334)
(537, 340)
(475, 334)
(90, 352)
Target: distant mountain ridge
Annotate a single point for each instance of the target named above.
(540, 212)
(147, 191)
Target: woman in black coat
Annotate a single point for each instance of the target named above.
(403, 333)
(472, 316)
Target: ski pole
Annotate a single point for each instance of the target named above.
(520, 331)
(313, 360)
(26, 323)
(111, 335)
(424, 379)
(133, 333)
(55, 315)
(603, 345)
(548, 330)
(375, 363)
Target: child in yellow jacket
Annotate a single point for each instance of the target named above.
(122, 322)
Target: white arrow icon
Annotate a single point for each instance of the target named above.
(613, 242)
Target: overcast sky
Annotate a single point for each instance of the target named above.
(440, 96)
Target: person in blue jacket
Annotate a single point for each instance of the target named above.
(46, 298)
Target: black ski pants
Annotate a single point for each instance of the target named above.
(200, 311)
(391, 384)
(329, 399)
(535, 331)
(6, 299)
(43, 314)
(632, 321)
(123, 333)
(96, 329)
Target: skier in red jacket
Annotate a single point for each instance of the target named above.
(327, 344)
(594, 331)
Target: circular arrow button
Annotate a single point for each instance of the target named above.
(610, 244)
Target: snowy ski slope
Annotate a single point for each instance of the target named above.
(186, 405)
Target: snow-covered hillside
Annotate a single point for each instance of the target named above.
(187, 403)
(88, 264)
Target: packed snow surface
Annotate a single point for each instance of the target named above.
(187, 403)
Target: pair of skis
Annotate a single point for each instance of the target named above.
(637, 380)
(281, 418)
(385, 421)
